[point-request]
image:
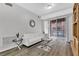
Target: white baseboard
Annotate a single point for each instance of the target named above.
(4, 48)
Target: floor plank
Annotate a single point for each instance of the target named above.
(59, 48)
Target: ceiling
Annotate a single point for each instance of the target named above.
(39, 8)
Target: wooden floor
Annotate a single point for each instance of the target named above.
(59, 48)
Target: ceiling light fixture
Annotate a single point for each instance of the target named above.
(50, 5)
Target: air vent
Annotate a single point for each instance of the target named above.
(9, 4)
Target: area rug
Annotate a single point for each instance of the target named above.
(48, 47)
(45, 48)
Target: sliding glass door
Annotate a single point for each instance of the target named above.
(61, 27)
(57, 28)
(53, 28)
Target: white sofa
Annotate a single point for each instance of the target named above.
(32, 38)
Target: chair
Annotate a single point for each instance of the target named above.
(46, 41)
(18, 41)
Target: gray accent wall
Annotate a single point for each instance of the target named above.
(13, 20)
(16, 19)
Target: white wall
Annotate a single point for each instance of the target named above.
(16, 19)
(46, 27)
(63, 13)
(57, 14)
(69, 27)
